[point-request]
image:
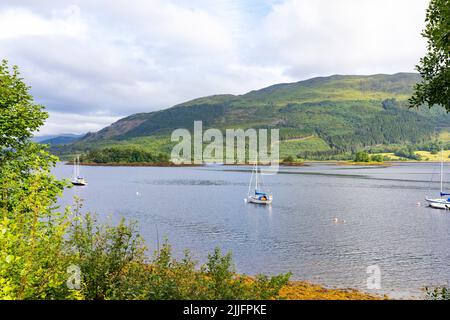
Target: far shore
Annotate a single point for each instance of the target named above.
(370, 163)
(134, 164)
(282, 164)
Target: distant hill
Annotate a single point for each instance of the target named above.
(59, 139)
(328, 115)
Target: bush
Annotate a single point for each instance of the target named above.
(407, 153)
(362, 156)
(377, 158)
(288, 159)
(438, 293)
(215, 280)
(114, 266)
(107, 257)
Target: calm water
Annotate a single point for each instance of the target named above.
(201, 208)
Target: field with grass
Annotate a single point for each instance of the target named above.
(427, 156)
(294, 146)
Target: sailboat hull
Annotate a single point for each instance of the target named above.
(78, 183)
(256, 200)
(438, 203)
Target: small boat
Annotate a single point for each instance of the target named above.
(444, 201)
(77, 180)
(257, 195)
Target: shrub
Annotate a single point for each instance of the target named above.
(107, 257)
(438, 293)
(114, 266)
(362, 156)
(215, 280)
(407, 153)
(377, 158)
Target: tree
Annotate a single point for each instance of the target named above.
(434, 89)
(362, 156)
(31, 231)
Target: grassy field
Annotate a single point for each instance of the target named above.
(444, 136)
(294, 146)
(426, 156)
(434, 157)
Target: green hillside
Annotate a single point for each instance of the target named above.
(319, 117)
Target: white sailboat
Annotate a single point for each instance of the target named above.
(77, 179)
(444, 201)
(257, 195)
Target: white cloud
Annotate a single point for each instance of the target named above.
(59, 122)
(346, 36)
(18, 22)
(121, 57)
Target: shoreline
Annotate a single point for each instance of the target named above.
(134, 164)
(170, 164)
(289, 164)
(304, 290)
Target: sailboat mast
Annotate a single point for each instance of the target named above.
(442, 167)
(251, 180)
(78, 166)
(74, 168)
(256, 174)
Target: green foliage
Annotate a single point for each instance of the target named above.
(215, 280)
(107, 256)
(114, 266)
(32, 264)
(377, 158)
(362, 156)
(438, 293)
(123, 155)
(294, 147)
(434, 89)
(407, 153)
(16, 100)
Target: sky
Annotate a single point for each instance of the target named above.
(91, 62)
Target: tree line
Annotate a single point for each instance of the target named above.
(124, 155)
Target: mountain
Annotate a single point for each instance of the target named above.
(329, 115)
(61, 139)
(39, 139)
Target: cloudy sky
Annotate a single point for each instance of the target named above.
(91, 62)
